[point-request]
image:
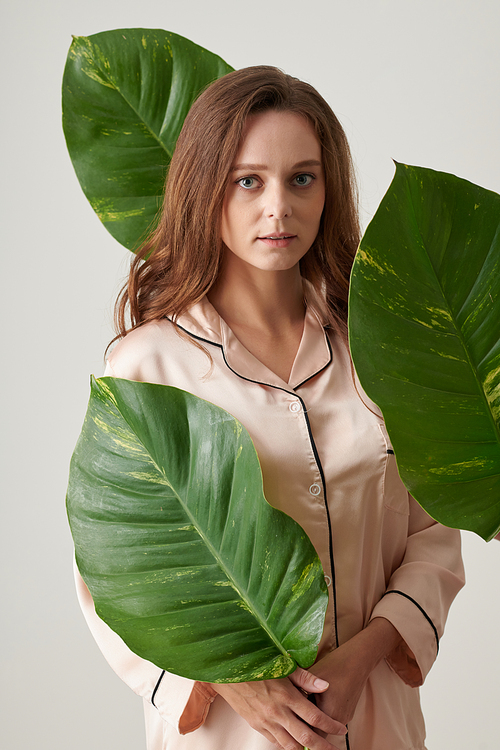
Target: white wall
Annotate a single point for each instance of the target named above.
(416, 80)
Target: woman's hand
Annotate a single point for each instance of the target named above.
(280, 711)
(349, 666)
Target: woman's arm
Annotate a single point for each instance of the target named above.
(181, 702)
(348, 667)
(406, 624)
(419, 594)
(184, 703)
(280, 711)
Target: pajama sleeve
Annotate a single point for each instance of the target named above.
(420, 592)
(181, 702)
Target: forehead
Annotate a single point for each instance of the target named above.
(274, 134)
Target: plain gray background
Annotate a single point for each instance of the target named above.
(417, 81)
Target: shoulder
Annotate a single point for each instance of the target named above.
(139, 355)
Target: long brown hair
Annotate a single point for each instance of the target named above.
(181, 260)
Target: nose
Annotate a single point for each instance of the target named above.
(278, 205)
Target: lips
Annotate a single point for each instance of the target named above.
(278, 240)
(278, 236)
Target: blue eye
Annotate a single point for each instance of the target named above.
(246, 182)
(303, 180)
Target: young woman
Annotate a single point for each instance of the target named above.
(240, 297)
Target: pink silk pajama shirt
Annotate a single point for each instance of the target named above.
(327, 461)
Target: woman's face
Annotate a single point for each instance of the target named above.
(275, 194)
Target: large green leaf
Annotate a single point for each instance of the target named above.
(425, 338)
(126, 94)
(184, 557)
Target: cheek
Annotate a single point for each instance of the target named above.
(238, 215)
(317, 211)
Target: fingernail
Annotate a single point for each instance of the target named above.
(321, 684)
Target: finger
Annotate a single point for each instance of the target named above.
(317, 719)
(298, 735)
(306, 681)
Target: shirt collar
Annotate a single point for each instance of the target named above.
(314, 353)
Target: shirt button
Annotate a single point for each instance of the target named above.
(328, 580)
(294, 406)
(314, 489)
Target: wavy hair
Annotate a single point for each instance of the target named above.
(181, 259)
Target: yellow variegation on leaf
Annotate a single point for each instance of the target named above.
(182, 554)
(424, 327)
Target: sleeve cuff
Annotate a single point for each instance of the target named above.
(413, 658)
(181, 702)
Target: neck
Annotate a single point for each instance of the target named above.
(266, 301)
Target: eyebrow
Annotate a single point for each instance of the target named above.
(258, 167)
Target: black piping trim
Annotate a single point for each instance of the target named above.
(389, 450)
(156, 689)
(316, 457)
(422, 610)
(258, 382)
(330, 547)
(318, 463)
(249, 380)
(321, 369)
(194, 336)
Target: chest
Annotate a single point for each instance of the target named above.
(318, 445)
